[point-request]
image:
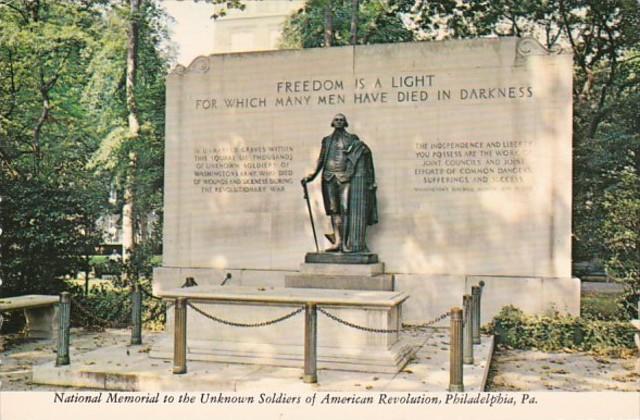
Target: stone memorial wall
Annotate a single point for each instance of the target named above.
(472, 151)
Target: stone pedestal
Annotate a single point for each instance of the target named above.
(340, 258)
(341, 276)
(42, 322)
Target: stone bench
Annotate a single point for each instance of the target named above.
(40, 312)
(339, 346)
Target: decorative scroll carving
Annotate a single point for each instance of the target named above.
(199, 65)
(529, 46)
(179, 70)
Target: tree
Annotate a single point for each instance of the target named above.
(376, 22)
(49, 205)
(133, 136)
(63, 116)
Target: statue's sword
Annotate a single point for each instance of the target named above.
(313, 226)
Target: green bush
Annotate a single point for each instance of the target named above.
(110, 307)
(559, 332)
(47, 228)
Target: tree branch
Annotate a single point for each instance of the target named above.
(23, 14)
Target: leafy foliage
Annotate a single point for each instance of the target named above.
(556, 332)
(47, 228)
(110, 307)
(62, 136)
(49, 206)
(378, 22)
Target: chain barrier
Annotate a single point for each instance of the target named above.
(356, 326)
(104, 322)
(380, 330)
(149, 294)
(439, 318)
(239, 324)
(154, 316)
(152, 296)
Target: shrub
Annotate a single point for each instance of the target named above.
(110, 307)
(559, 332)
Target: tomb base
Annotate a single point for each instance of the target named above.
(339, 347)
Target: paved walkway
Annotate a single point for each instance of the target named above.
(106, 361)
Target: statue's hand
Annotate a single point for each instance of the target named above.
(307, 179)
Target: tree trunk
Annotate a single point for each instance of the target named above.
(355, 5)
(328, 24)
(128, 216)
(132, 66)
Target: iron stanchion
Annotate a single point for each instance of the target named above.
(136, 315)
(64, 327)
(455, 352)
(468, 329)
(310, 343)
(475, 294)
(180, 337)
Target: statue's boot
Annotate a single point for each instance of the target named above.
(336, 222)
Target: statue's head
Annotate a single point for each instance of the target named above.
(339, 121)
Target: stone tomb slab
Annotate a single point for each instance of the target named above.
(340, 347)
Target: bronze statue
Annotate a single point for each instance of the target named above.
(348, 187)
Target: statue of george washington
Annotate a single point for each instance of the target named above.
(348, 187)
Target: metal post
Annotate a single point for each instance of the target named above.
(475, 293)
(136, 315)
(310, 343)
(468, 329)
(455, 352)
(180, 337)
(64, 326)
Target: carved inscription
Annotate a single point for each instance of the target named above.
(401, 88)
(245, 169)
(459, 166)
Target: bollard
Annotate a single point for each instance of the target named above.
(468, 329)
(136, 315)
(475, 298)
(455, 352)
(64, 314)
(310, 343)
(180, 337)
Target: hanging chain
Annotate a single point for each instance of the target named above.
(149, 294)
(358, 327)
(379, 330)
(155, 315)
(440, 317)
(104, 322)
(239, 324)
